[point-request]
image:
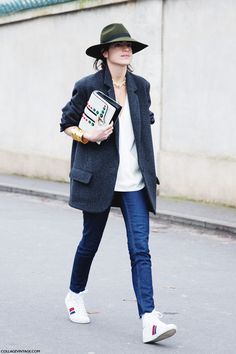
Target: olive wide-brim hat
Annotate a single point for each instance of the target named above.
(115, 32)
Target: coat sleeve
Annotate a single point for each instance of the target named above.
(72, 112)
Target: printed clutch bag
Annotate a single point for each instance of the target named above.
(99, 111)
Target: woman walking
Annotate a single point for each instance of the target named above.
(119, 171)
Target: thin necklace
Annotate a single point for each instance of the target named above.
(119, 84)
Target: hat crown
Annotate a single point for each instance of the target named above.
(112, 32)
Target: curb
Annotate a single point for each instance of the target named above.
(34, 192)
(163, 215)
(200, 222)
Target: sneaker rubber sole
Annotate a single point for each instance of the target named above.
(158, 338)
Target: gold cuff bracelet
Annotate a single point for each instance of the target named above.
(77, 134)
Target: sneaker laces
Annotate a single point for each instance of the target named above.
(157, 313)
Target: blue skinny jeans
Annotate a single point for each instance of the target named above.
(136, 217)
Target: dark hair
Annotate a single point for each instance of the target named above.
(101, 63)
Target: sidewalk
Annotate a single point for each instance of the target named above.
(210, 216)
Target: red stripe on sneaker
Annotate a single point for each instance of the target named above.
(154, 330)
(72, 310)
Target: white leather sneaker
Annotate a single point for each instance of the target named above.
(76, 308)
(155, 330)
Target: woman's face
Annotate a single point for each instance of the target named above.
(119, 53)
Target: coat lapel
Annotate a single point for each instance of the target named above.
(111, 93)
(108, 83)
(134, 106)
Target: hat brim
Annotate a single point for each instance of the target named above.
(95, 50)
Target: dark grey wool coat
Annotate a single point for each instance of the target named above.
(93, 166)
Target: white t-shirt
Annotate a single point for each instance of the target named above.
(129, 177)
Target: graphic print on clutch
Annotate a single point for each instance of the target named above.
(99, 111)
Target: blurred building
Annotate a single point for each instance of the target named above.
(190, 63)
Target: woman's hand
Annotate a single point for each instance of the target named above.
(99, 133)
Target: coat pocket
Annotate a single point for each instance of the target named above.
(80, 175)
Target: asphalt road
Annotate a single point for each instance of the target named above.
(193, 275)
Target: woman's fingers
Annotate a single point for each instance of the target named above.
(109, 129)
(107, 132)
(99, 134)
